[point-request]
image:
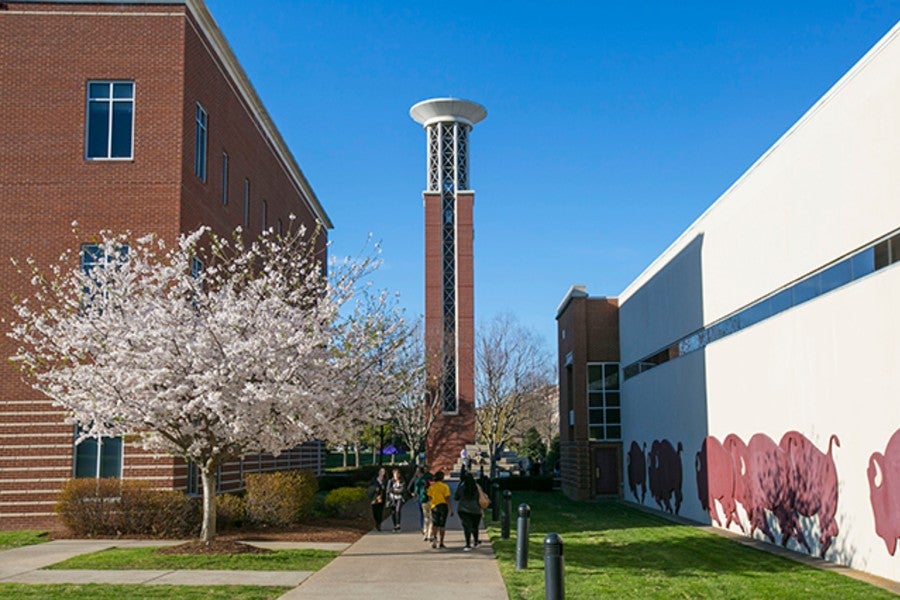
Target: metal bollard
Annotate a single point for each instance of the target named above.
(507, 508)
(553, 568)
(522, 537)
(495, 501)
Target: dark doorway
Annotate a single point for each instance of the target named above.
(606, 470)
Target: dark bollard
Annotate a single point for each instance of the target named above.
(522, 537)
(495, 501)
(553, 568)
(507, 508)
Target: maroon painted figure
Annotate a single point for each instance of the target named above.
(664, 474)
(637, 471)
(884, 492)
(715, 480)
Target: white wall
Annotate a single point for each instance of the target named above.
(830, 366)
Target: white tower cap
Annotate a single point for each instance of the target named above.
(437, 110)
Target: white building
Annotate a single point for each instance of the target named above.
(777, 312)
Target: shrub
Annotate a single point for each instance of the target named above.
(111, 507)
(533, 483)
(231, 510)
(332, 481)
(347, 502)
(280, 498)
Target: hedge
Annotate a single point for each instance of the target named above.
(279, 498)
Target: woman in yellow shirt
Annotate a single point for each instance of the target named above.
(439, 495)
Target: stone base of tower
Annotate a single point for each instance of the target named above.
(449, 434)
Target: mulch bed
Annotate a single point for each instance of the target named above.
(312, 530)
(216, 546)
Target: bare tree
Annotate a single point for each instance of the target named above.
(414, 409)
(541, 411)
(511, 366)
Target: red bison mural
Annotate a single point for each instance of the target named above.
(790, 479)
(884, 492)
(664, 474)
(637, 471)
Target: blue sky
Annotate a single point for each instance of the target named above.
(611, 125)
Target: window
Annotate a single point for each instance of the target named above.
(246, 203)
(604, 402)
(193, 476)
(265, 216)
(110, 119)
(98, 457)
(224, 179)
(280, 227)
(200, 144)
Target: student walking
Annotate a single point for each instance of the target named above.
(469, 510)
(439, 495)
(377, 497)
(418, 489)
(395, 488)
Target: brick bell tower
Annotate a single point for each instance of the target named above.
(449, 297)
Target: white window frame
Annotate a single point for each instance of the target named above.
(109, 125)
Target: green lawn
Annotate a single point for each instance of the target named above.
(96, 591)
(616, 551)
(15, 539)
(147, 558)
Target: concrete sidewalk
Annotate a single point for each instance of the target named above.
(401, 566)
(26, 565)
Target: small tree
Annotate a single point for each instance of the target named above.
(532, 446)
(210, 349)
(510, 366)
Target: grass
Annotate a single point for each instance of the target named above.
(146, 558)
(96, 591)
(16, 539)
(613, 550)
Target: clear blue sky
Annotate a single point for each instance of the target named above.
(611, 125)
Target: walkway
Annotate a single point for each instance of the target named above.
(384, 564)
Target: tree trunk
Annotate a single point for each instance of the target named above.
(356, 455)
(344, 454)
(208, 478)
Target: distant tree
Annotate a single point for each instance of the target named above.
(540, 411)
(532, 446)
(210, 349)
(510, 366)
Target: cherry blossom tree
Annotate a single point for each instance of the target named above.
(210, 349)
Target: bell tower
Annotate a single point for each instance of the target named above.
(449, 285)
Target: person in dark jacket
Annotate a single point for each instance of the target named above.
(377, 495)
(469, 510)
(395, 489)
(418, 490)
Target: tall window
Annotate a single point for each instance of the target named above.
(265, 215)
(604, 402)
(98, 457)
(200, 144)
(110, 119)
(224, 179)
(246, 203)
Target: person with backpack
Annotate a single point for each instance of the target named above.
(469, 510)
(418, 489)
(439, 495)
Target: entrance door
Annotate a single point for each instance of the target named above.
(606, 471)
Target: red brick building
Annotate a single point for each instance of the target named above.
(123, 116)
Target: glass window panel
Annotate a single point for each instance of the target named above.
(98, 90)
(611, 376)
(613, 416)
(595, 378)
(863, 263)
(895, 248)
(882, 254)
(835, 276)
(596, 433)
(121, 138)
(86, 458)
(98, 129)
(613, 432)
(595, 416)
(595, 400)
(612, 398)
(111, 457)
(780, 301)
(805, 290)
(123, 90)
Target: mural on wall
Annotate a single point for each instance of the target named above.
(637, 471)
(664, 474)
(791, 479)
(884, 492)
